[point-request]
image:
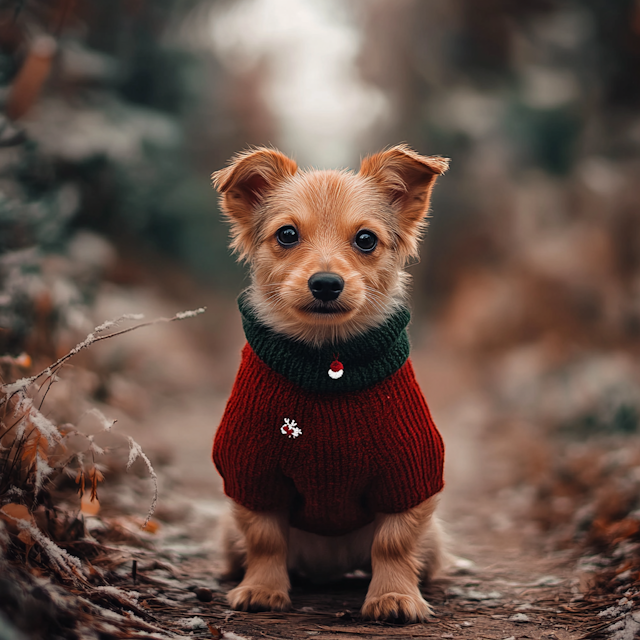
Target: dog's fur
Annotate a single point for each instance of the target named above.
(262, 191)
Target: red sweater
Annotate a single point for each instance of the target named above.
(331, 459)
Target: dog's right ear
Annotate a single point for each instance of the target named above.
(244, 185)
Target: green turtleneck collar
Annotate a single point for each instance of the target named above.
(367, 359)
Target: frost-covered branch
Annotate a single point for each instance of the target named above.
(135, 452)
(95, 336)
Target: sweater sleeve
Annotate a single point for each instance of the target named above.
(244, 449)
(411, 462)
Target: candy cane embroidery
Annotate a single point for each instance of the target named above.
(290, 428)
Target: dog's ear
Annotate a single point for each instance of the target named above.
(244, 185)
(406, 180)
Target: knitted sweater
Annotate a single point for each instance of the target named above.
(333, 450)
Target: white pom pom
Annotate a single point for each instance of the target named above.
(336, 374)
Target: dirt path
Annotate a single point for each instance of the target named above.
(507, 586)
(503, 591)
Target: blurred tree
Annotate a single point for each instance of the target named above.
(509, 89)
(617, 44)
(103, 106)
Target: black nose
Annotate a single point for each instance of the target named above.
(326, 286)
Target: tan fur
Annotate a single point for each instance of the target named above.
(401, 550)
(262, 191)
(266, 582)
(397, 565)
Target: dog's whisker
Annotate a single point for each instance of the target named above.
(371, 295)
(382, 308)
(376, 293)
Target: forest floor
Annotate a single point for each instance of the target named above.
(507, 582)
(166, 386)
(508, 593)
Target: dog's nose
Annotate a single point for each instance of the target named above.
(326, 286)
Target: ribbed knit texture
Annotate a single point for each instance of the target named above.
(360, 452)
(367, 359)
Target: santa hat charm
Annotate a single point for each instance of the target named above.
(336, 369)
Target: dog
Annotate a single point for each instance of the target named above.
(326, 445)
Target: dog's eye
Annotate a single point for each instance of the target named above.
(287, 236)
(366, 240)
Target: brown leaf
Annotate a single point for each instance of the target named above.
(36, 445)
(13, 512)
(80, 482)
(152, 526)
(23, 360)
(28, 540)
(16, 512)
(215, 632)
(90, 505)
(95, 476)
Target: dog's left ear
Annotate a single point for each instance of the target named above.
(406, 180)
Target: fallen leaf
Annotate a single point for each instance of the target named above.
(203, 594)
(152, 526)
(215, 632)
(23, 360)
(27, 539)
(12, 512)
(89, 506)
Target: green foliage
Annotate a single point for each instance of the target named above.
(622, 420)
(167, 206)
(547, 138)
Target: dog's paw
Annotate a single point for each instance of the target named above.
(396, 607)
(258, 598)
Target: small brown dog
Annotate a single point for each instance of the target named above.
(327, 446)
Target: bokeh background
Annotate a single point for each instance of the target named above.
(526, 301)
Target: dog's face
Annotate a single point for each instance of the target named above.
(327, 248)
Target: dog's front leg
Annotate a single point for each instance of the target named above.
(265, 586)
(393, 593)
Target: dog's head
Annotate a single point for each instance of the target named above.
(327, 248)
